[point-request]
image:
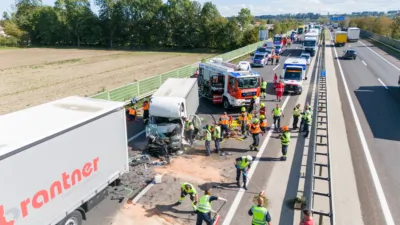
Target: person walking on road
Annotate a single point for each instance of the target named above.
(260, 214)
(285, 140)
(205, 208)
(264, 89)
(243, 164)
(296, 116)
(243, 122)
(307, 123)
(224, 122)
(188, 189)
(307, 218)
(217, 137)
(255, 133)
(263, 124)
(272, 58)
(280, 88)
(275, 81)
(207, 138)
(277, 59)
(277, 113)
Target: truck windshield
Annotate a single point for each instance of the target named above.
(248, 82)
(258, 57)
(300, 30)
(164, 120)
(293, 73)
(309, 43)
(277, 39)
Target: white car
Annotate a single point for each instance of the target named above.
(307, 57)
(244, 66)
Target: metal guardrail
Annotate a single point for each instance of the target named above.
(320, 150)
(144, 88)
(385, 40)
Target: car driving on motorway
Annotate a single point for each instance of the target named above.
(260, 59)
(349, 54)
(306, 56)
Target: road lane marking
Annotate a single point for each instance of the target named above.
(239, 195)
(382, 83)
(378, 186)
(364, 62)
(276, 67)
(135, 136)
(350, 46)
(289, 54)
(380, 56)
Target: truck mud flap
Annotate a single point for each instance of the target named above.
(217, 99)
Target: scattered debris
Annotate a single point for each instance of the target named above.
(225, 153)
(139, 159)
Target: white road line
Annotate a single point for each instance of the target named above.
(289, 54)
(350, 46)
(239, 195)
(135, 136)
(382, 83)
(276, 67)
(378, 186)
(380, 56)
(364, 62)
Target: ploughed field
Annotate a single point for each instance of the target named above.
(29, 77)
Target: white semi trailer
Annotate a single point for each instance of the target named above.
(57, 159)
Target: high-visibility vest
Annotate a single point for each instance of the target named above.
(204, 204)
(280, 87)
(255, 129)
(263, 111)
(191, 191)
(263, 123)
(259, 215)
(132, 111)
(243, 117)
(277, 111)
(285, 138)
(308, 118)
(264, 85)
(224, 120)
(146, 106)
(187, 125)
(217, 132)
(296, 111)
(208, 135)
(277, 56)
(243, 163)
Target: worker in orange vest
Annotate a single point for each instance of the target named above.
(255, 131)
(146, 106)
(277, 59)
(131, 113)
(243, 122)
(263, 124)
(224, 122)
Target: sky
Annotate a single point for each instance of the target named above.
(264, 7)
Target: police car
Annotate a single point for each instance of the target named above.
(260, 59)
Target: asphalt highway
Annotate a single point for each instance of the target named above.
(372, 82)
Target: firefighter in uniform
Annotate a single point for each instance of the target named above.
(252, 105)
(188, 189)
(255, 133)
(296, 116)
(277, 113)
(285, 140)
(224, 122)
(263, 124)
(263, 110)
(131, 113)
(243, 164)
(205, 207)
(260, 214)
(243, 121)
(146, 106)
(264, 89)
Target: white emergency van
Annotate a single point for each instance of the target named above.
(293, 74)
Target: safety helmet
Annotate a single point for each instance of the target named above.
(262, 117)
(243, 109)
(256, 121)
(249, 158)
(262, 104)
(285, 128)
(134, 100)
(255, 96)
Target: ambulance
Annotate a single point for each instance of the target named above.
(293, 74)
(227, 84)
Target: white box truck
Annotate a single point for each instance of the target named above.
(353, 34)
(57, 159)
(310, 43)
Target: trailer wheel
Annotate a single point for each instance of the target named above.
(75, 218)
(225, 103)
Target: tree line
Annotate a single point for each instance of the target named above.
(130, 23)
(380, 25)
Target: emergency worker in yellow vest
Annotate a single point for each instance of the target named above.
(255, 131)
(263, 124)
(224, 122)
(205, 207)
(188, 189)
(260, 214)
(243, 164)
(285, 140)
(207, 138)
(307, 123)
(277, 113)
(296, 116)
(217, 137)
(263, 89)
(243, 121)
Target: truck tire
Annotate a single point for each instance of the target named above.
(226, 104)
(75, 218)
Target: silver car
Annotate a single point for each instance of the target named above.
(307, 57)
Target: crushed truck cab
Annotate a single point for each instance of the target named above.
(293, 74)
(224, 83)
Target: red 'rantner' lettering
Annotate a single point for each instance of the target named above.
(42, 197)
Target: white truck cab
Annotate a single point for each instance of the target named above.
(293, 74)
(310, 43)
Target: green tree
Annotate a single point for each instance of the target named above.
(79, 17)
(395, 28)
(277, 28)
(250, 36)
(244, 18)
